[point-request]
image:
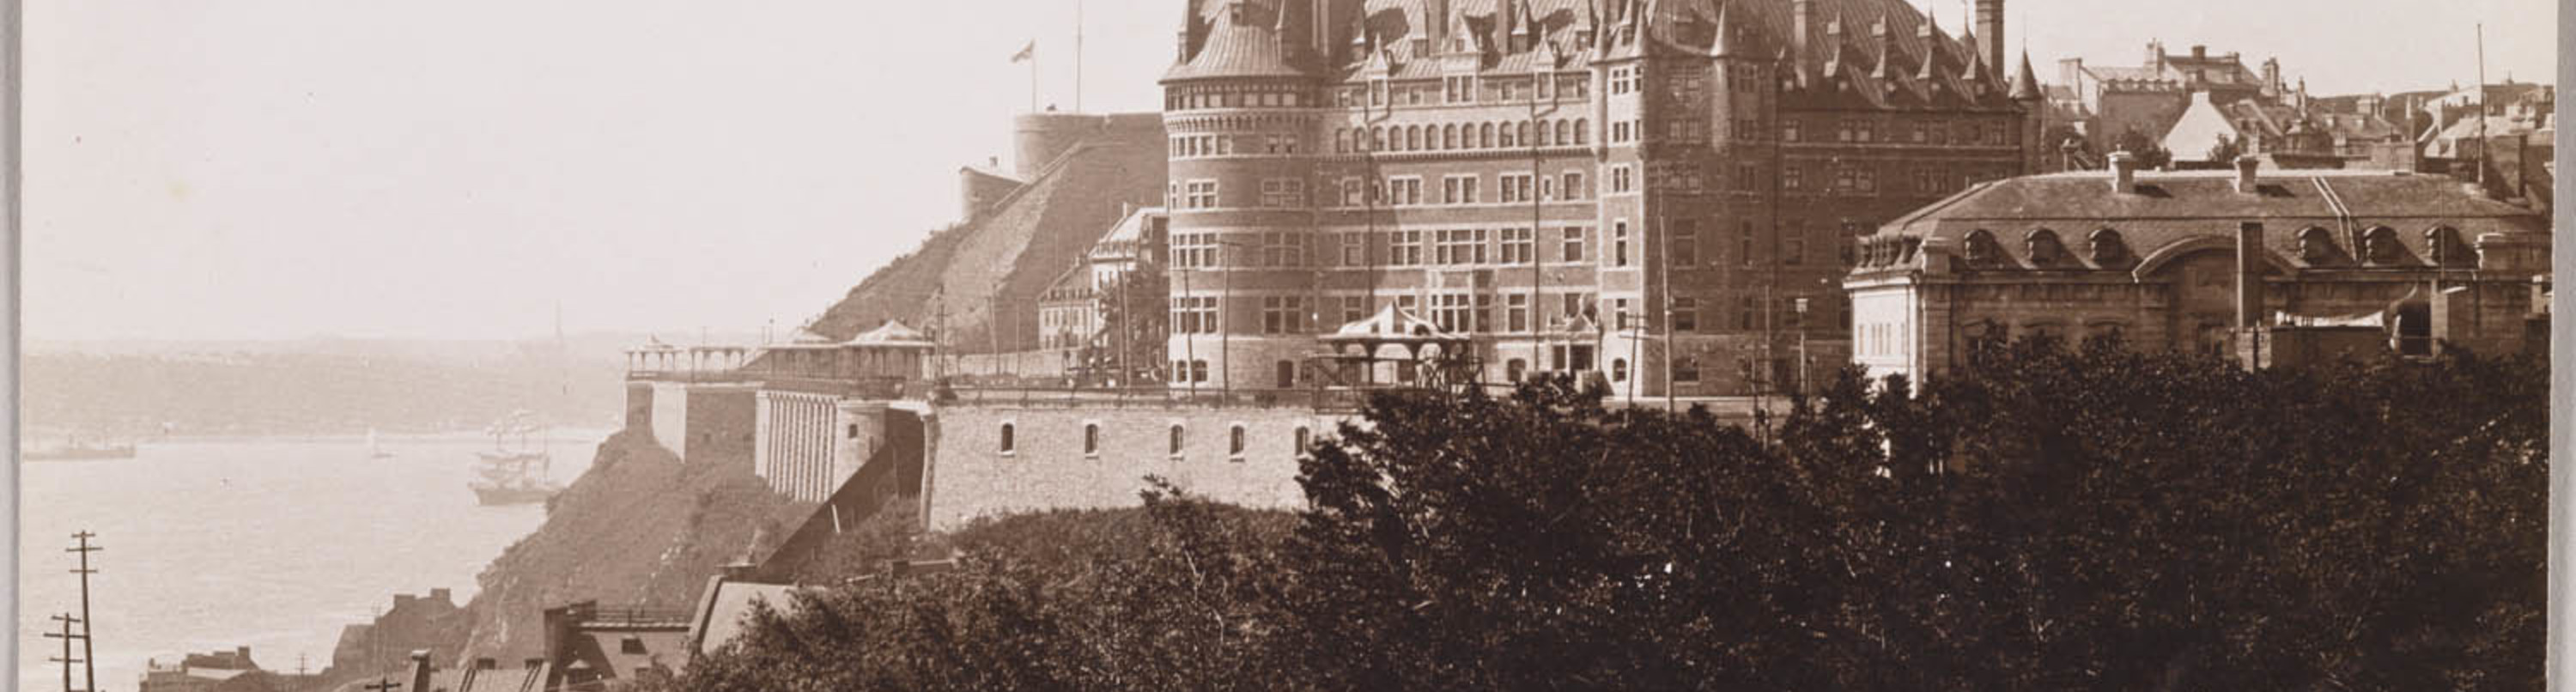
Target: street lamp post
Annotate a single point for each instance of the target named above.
(1802, 344)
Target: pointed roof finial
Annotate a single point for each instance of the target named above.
(2025, 84)
(1724, 35)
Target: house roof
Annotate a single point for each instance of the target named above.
(2171, 209)
(1869, 53)
(722, 611)
(893, 334)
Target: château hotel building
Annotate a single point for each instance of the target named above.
(1666, 193)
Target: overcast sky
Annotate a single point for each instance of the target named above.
(281, 169)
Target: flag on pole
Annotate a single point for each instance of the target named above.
(1026, 53)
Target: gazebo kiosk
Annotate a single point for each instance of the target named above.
(1357, 349)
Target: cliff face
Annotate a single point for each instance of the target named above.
(954, 283)
(638, 529)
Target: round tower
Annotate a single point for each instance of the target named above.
(1038, 138)
(1241, 111)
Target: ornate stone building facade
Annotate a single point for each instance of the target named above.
(1647, 191)
(2241, 263)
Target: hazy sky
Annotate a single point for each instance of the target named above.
(278, 169)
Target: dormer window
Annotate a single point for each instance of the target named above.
(2043, 247)
(2316, 245)
(2379, 246)
(1980, 250)
(2448, 251)
(2108, 249)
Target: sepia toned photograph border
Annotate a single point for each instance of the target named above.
(2561, 612)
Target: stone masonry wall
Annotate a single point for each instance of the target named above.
(1046, 467)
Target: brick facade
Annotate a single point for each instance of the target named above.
(1647, 189)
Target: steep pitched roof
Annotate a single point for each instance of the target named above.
(1239, 44)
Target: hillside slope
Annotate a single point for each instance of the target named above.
(639, 529)
(952, 284)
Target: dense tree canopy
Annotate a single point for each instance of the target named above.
(2050, 518)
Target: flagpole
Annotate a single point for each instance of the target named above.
(1077, 56)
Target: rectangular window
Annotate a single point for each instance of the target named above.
(1619, 243)
(1744, 244)
(1458, 189)
(1622, 179)
(1789, 130)
(1283, 192)
(1403, 191)
(1516, 187)
(1865, 179)
(1794, 249)
(1283, 249)
(1516, 313)
(1620, 317)
(1685, 369)
(1685, 241)
(1574, 186)
(1484, 315)
(1406, 249)
(1793, 177)
(1202, 194)
(1517, 246)
(1354, 192)
(1283, 315)
(1685, 315)
(1577, 305)
(1193, 250)
(1573, 245)
(1191, 315)
(1354, 248)
(1745, 312)
(1354, 309)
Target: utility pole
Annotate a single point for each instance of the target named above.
(1077, 56)
(2483, 158)
(66, 635)
(382, 684)
(89, 671)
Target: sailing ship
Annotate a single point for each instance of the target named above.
(376, 451)
(514, 472)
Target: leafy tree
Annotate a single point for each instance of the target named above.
(1135, 312)
(2047, 517)
(2151, 155)
(2226, 149)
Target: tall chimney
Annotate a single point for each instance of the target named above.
(2124, 172)
(2249, 274)
(1990, 34)
(1802, 14)
(2246, 166)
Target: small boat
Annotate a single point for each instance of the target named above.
(514, 472)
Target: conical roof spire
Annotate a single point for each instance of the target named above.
(2025, 85)
(1724, 35)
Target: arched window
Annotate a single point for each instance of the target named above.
(1010, 438)
(1235, 441)
(1524, 129)
(1541, 133)
(1485, 136)
(2316, 245)
(2447, 249)
(1509, 138)
(1564, 134)
(1091, 439)
(1377, 139)
(1305, 438)
(1341, 141)
(1180, 439)
(1448, 136)
(2379, 246)
(1413, 138)
(1582, 131)
(1980, 249)
(2043, 247)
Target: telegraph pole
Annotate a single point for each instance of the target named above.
(66, 635)
(89, 672)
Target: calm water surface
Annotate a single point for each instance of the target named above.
(273, 544)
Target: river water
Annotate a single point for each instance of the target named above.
(275, 544)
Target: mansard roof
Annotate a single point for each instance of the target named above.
(2169, 209)
(1865, 53)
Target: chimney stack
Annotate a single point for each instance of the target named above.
(1990, 34)
(2249, 274)
(2246, 166)
(2124, 172)
(1802, 15)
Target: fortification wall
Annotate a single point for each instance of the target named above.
(720, 426)
(1048, 465)
(670, 417)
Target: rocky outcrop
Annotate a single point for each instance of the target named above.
(638, 529)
